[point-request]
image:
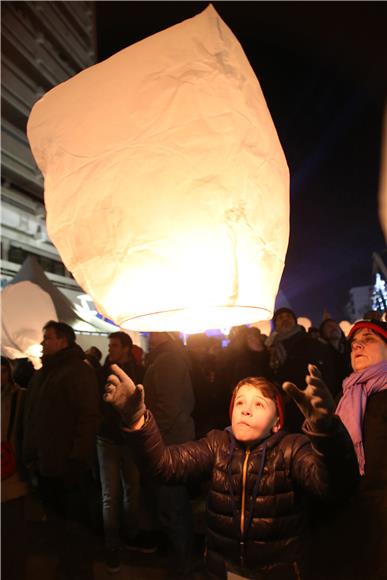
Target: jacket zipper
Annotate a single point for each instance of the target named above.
(243, 505)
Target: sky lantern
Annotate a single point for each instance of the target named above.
(166, 187)
(264, 326)
(345, 326)
(305, 322)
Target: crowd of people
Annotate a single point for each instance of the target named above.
(283, 435)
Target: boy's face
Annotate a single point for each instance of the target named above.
(254, 416)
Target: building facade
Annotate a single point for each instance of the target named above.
(43, 44)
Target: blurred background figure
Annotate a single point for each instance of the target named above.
(197, 348)
(169, 395)
(119, 475)
(60, 424)
(355, 542)
(332, 335)
(23, 370)
(291, 350)
(13, 487)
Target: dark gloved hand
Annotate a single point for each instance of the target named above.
(315, 402)
(125, 396)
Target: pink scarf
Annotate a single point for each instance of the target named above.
(351, 408)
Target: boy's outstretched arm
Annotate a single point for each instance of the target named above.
(174, 463)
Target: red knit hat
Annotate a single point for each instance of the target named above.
(377, 326)
(253, 381)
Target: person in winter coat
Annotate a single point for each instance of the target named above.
(332, 335)
(14, 532)
(61, 419)
(358, 533)
(291, 350)
(170, 397)
(261, 477)
(120, 481)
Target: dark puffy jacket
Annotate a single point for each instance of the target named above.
(257, 504)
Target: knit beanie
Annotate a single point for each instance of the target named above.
(281, 311)
(377, 326)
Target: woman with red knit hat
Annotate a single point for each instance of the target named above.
(358, 537)
(262, 478)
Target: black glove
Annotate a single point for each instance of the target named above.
(125, 396)
(315, 402)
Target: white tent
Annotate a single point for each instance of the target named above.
(28, 302)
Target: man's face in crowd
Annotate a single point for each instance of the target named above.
(51, 343)
(332, 330)
(254, 416)
(118, 353)
(284, 322)
(367, 348)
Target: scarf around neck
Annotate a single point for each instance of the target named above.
(351, 408)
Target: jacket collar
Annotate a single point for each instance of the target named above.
(62, 356)
(270, 441)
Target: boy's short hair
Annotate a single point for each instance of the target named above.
(268, 389)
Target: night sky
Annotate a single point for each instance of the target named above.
(322, 67)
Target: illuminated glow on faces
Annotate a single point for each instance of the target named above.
(367, 348)
(254, 416)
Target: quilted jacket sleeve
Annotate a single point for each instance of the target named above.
(173, 463)
(325, 465)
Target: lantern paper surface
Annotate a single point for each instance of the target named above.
(166, 187)
(25, 310)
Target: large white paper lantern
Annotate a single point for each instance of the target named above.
(166, 187)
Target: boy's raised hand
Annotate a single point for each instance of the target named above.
(125, 396)
(315, 402)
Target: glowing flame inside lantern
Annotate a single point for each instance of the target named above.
(170, 206)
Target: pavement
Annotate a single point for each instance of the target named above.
(42, 561)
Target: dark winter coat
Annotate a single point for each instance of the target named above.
(354, 538)
(257, 504)
(169, 392)
(61, 414)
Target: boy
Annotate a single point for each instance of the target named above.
(261, 477)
